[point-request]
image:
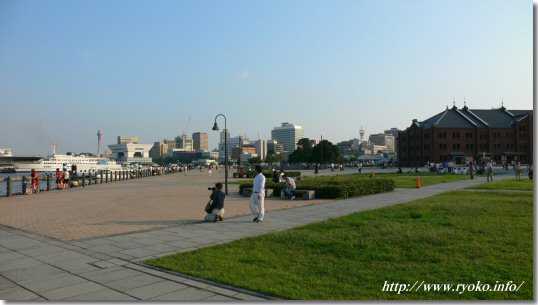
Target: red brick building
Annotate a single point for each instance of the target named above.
(464, 134)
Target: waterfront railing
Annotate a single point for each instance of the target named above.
(16, 185)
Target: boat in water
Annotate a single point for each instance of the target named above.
(55, 161)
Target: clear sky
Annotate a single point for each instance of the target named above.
(136, 67)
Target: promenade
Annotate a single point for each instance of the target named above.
(94, 262)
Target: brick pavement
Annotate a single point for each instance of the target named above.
(124, 206)
(35, 267)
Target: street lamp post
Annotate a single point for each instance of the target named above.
(216, 127)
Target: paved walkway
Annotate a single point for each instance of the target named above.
(34, 267)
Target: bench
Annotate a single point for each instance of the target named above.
(304, 194)
(247, 191)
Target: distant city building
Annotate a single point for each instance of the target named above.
(238, 151)
(184, 143)
(261, 148)
(465, 134)
(383, 139)
(225, 134)
(274, 146)
(288, 135)
(200, 141)
(130, 152)
(128, 139)
(161, 148)
(393, 131)
(215, 154)
(378, 148)
(356, 146)
(189, 156)
(345, 147)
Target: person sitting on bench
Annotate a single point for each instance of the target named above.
(289, 187)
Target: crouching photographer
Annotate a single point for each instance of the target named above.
(215, 206)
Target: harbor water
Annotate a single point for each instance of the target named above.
(17, 185)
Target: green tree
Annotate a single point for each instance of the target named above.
(271, 157)
(324, 152)
(255, 160)
(302, 153)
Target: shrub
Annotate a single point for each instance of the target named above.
(277, 187)
(269, 174)
(333, 189)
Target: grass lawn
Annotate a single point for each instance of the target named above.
(523, 184)
(455, 237)
(404, 180)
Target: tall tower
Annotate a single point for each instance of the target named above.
(361, 134)
(99, 137)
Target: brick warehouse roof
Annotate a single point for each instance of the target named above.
(469, 118)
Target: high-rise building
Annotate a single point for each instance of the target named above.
(393, 131)
(128, 139)
(261, 148)
(225, 134)
(161, 148)
(288, 135)
(200, 141)
(383, 139)
(275, 147)
(184, 143)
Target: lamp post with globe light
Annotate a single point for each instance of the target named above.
(216, 127)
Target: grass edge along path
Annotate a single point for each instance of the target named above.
(455, 237)
(512, 184)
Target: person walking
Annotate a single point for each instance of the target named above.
(216, 208)
(316, 168)
(59, 179)
(518, 170)
(471, 169)
(66, 179)
(258, 196)
(489, 171)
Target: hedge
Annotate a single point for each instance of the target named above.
(269, 174)
(335, 189)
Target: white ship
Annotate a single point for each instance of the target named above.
(51, 163)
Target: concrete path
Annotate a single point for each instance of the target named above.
(35, 267)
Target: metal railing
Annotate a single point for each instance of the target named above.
(17, 185)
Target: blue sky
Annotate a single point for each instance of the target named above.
(68, 68)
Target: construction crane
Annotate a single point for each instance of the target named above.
(185, 128)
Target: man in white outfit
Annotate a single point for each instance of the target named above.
(258, 196)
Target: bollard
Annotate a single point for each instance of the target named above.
(115, 175)
(106, 176)
(49, 182)
(101, 173)
(9, 186)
